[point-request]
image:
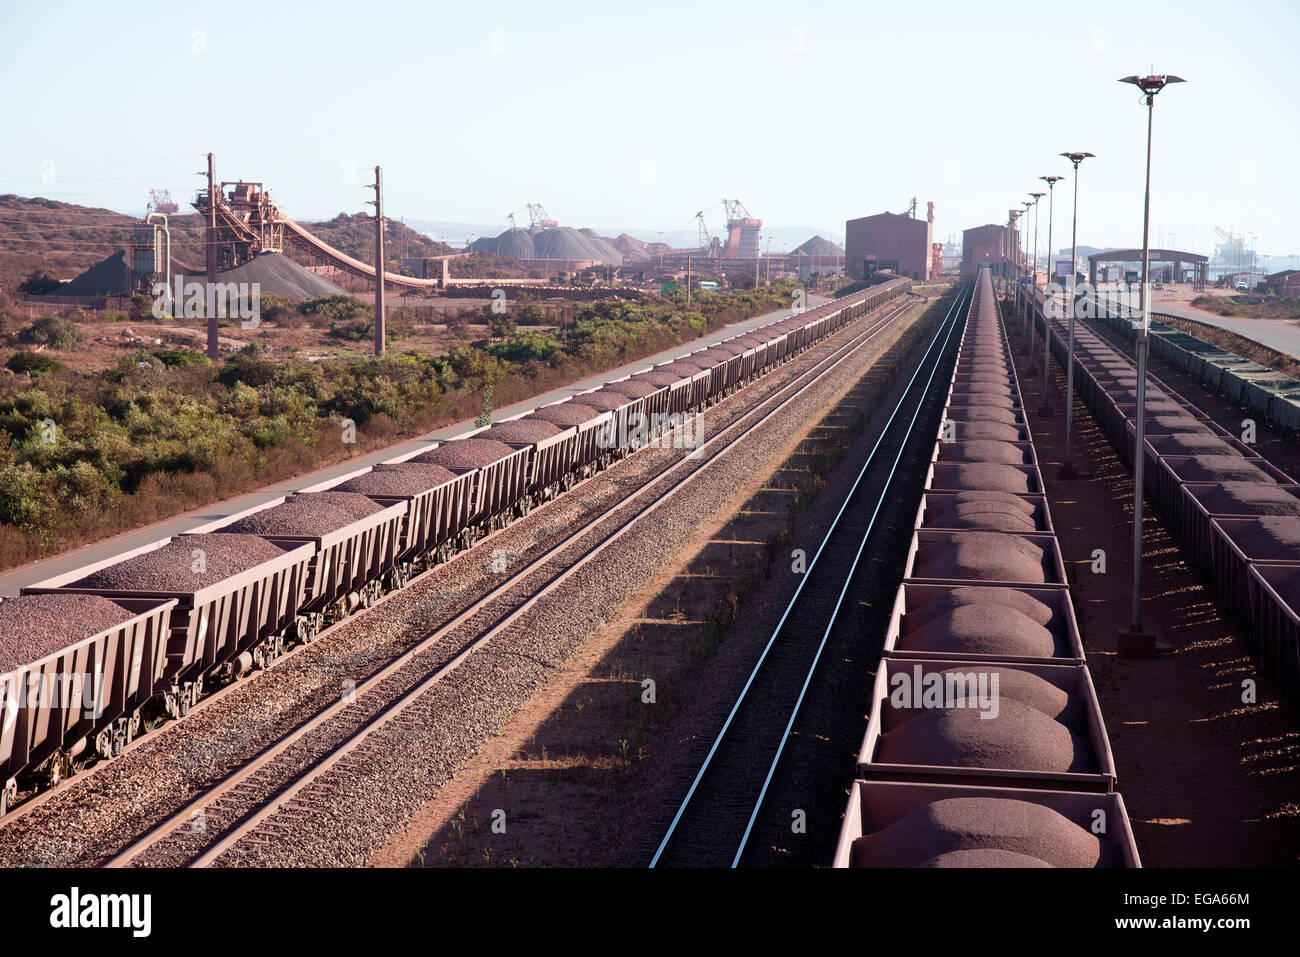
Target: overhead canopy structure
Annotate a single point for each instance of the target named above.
(1199, 264)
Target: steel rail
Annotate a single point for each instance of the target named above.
(949, 325)
(812, 375)
(839, 601)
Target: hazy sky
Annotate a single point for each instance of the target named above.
(625, 115)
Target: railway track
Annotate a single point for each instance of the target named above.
(713, 824)
(245, 803)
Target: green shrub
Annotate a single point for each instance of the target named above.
(180, 357)
(55, 332)
(34, 362)
(336, 307)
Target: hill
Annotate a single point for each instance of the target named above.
(355, 235)
(68, 239)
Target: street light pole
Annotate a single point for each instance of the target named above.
(1067, 469)
(1024, 261)
(1046, 408)
(1033, 285)
(1137, 643)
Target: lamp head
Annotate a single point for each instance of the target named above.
(1151, 85)
(1076, 158)
(1051, 181)
(1037, 196)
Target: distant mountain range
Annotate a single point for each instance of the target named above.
(456, 234)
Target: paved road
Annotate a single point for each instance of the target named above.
(1277, 334)
(12, 581)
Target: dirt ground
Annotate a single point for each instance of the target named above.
(1209, 781)
(108, 342)
(573, 760)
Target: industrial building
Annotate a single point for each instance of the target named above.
(896, 242)
(997, 247)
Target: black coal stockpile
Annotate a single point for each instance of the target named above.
(172, 568)
(33, 626)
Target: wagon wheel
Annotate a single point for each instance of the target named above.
(56, 770)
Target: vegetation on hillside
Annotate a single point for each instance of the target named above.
(88, 454)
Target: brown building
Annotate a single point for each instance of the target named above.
(888, 241)
(1285, 283)
(997, 247)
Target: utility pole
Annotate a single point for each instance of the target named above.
(688, 280)
(210, 300)
(379, 262)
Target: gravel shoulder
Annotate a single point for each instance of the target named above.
(589, 769)
(90, 817)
